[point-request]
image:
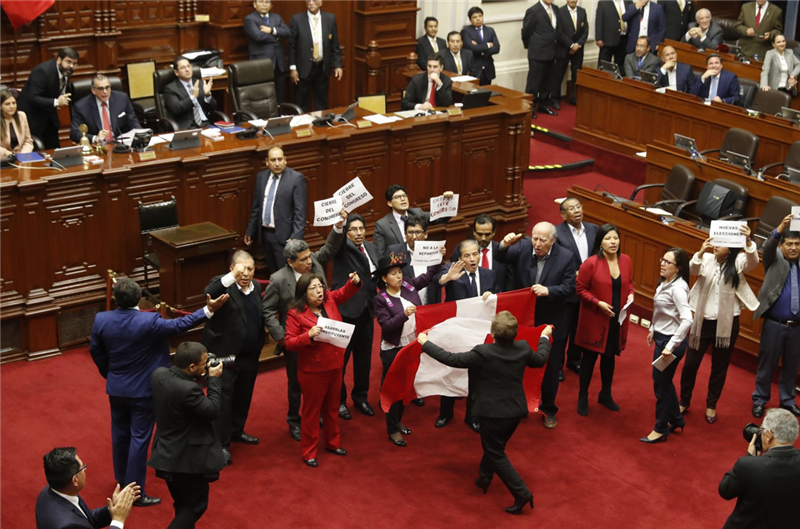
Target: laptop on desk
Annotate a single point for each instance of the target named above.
(476, 99)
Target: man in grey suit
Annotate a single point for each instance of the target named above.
(280, 293)
(705, 34)
(779, 305)
(456, 59)
(641, 60)
(183, 97)
(278, 213)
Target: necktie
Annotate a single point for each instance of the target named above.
(793, 287)
(363, 250)
(435, 47)
(713, 92)
(199, 117)
(480, 32)
(640, 63)
(266, 20)
(270, 200)
(680, 4)
(458, 63)
(316, 44)
(550, 16)
(621, 22)
(473, 286)
(404, 218)
(62, 89)
(107, 124)
(432, 98)
(574, 19)
(485, 258)
(758, 16)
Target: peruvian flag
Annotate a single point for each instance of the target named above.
(458, 326)
(21, 12)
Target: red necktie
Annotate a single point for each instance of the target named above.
(758, 16)
(363, 250)
(107, 124)
(485, 259)
(432, 99)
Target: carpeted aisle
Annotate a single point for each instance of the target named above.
(588, 473)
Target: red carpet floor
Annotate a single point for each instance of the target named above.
(562, 123)
(588, 473)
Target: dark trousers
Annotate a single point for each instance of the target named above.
(319, 400)
(280, 84)
(778, 342)
(189, 498)
(495, 434)
(447, 407)
(667, 406)
(316, 81)
(293, 389)
(574, 352)
(615, 54)
(132, 422)
(237, 394)
(574, 61)
(360, 347)
(550, 380)
(720, 360)
(395, 415)
(49, 136)
(539, 81)
(483, 78)
(607, 363)
(273, 247)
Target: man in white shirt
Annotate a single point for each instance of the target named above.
(672, 74)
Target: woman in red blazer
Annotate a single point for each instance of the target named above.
(319, 364)
(604, 281)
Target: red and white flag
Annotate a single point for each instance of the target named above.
(21, 12)
(458, 326)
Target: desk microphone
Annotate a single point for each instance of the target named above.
(606, 193)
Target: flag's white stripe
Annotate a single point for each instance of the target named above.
(477, 308)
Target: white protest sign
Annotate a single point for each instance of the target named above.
(727, 233)
(327, 212)
(427, 253)
(353, 194)
(335, 332)
(794, 225)
(442, 207)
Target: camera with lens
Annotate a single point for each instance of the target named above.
(226, 361)
(749, 431)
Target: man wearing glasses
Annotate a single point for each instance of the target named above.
(106, 112)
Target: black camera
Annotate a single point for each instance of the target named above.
(226, 361)
(749, 431)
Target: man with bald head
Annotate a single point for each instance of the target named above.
(549, 271)
(673, 74)
(705, 34)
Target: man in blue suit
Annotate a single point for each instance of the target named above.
(673, 74)
(128, 346)
(482, 42)
(645, 18)
(107, 113)
(716, 84)
(264, 31)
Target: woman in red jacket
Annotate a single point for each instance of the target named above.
(604, 281)
(319, 364)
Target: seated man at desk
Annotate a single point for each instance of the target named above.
(431, 89)
(716, 84)
(641, 60)
(673, 74)
(705, 34)
(183, 99)
(106, 112)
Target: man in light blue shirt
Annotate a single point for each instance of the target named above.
(183, 97)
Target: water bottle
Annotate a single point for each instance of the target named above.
(755, 57)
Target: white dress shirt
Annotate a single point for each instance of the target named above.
(372, 267)
(645, 18)
(74, 500)
(397, 219)
(434, 45)
(409, 332)
(549, 10)
(672, 314)
(580, 240)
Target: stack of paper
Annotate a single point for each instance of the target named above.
(463, 78)
(380, 119)
(211, 72)
(299, 121)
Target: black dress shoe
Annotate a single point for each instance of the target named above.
(533, 114)
(519, 503)
(226, 454)
(245, 439)
(344, 413)
(146, 501)
(311, 463)
(418, 402)
(560, 376)
(475, 426)
(294, 431)
(549, 422)
(793, 408)
(556, 105)
(366, 409)
(583, 406)
(758, 411)
(398, 442)
(441, 422)
(548, 111)
(338, 451)
(483, 483)
(404, 430)
(575, 367)
(573, 101)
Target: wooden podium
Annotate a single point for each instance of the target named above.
(189, 257)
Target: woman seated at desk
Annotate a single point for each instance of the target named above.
(15, 135)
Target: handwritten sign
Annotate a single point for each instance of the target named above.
(335, 332)
(327, 212)
(727, 233)
(794, 225)
(353, 194)
(442, 207)
(427, 253)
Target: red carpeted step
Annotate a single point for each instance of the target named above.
(563, 123)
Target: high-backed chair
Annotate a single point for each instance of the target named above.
(747, 92)
(83, 87)
(374, 103)
(792, 160)
(161, 78)
(252, 88)
(140, 90)
(771, 102)
(154, 217)
(729, 33)
(702, 210)
(675, 191)
(739, 141)
(774, 212)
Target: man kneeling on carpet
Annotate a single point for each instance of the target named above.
(495, 380)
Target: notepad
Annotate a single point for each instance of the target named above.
(28, 157)
(662, 361)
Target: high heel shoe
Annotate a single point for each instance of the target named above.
(606, 400)
(711, 419)
(678, 424)
(519, 503)
(483, 483)
(662, 439)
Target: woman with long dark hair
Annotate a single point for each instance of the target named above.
(15, 135)
(672, 318)
(717, 298)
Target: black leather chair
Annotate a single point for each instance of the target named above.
(252, 88)
(161, 78)
(154, 217)
(747, 92)
(774, 212)
(729, 34)
(739, 141)
(792, 160)
(38, 145)
(83, 87)
(771, 102)
(675, 191)
(701, 214)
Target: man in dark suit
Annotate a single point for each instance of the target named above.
(716, 84)
(766, 485)
(314, 55)
(357, 255)
(577, 237)
(571, 32)
(264, 31)
(539, 38)
(127, 345)
(611, 31)
(456, 59)
(645, 18)
(673, 74)
(704, 34)
(678, 15)
(107, 113)
(183, 97)
(236, 330)
(429, 44)
(483, 230)
(60, 507)
(549, 271)
(280, 294)
(46, 90)
(482, 42)
(429, 89)
(278, 212)
(641, 60)
(186, 450)
(391, 229)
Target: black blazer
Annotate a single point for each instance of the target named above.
(568, 35)
(606, 23)
(684, 79)
(565, 240)
(180, 107)
(224, 333)
(677, 21)
(37, 96)
(425, 50)
(466, 62)
(349, 260)
(387, 232)
(185, 440)
(262, 45)
(538, 34)
(301, 44)
(766, 487)
(495, 374)
(503, 275)
(55, 512)
(289, 207)
(481, 52)
(418, 89)
(459, 289)
(120, 113)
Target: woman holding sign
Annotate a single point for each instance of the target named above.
(672, 318)
(319, 364)
(716, 298)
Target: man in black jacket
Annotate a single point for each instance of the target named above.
(539, 38)
(456, 58)
(429, 89)
(610, 31)
(264, 31)
(572, 32)
(679, 14)
(188, 99)
(429, 44)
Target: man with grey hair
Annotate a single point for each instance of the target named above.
(705, 34)
(549, 271)
(106, 112)
(280, 293)
(766, 486)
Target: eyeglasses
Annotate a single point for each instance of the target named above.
(315, 288)
(399, 196)
(415, 233)
(84, 467)
(664, 261)
(573, 209)
(356, 229)
(102, 88)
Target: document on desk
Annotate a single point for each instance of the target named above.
(258, 122)
(380, 119)
(463, 78)
(662, 362)
(794, 225)
(302, 120)
(405, 114)
(164, 138)
(656, 211)
(195, 54)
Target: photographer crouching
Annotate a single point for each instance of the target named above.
(766, 486)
